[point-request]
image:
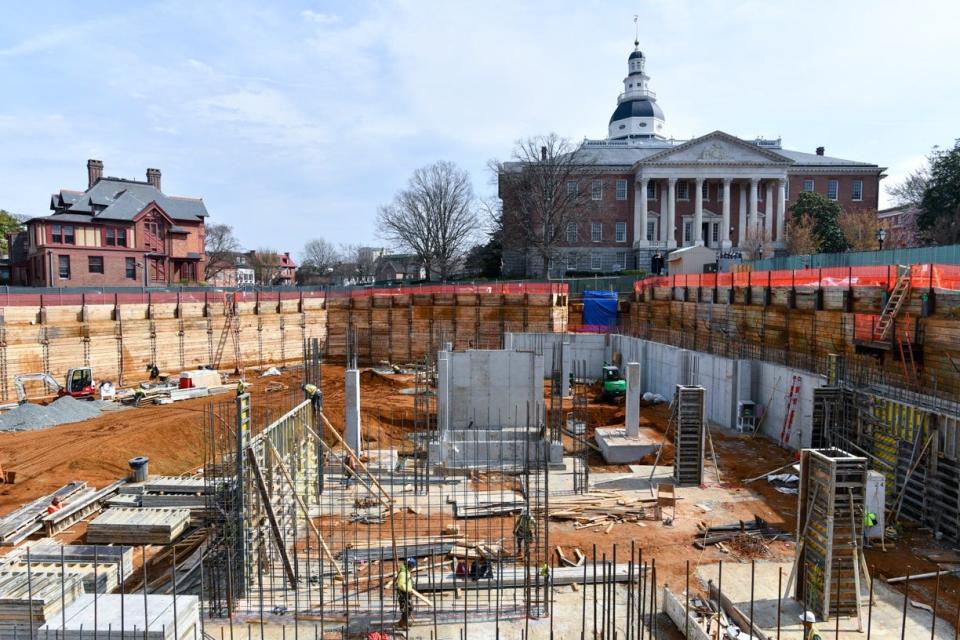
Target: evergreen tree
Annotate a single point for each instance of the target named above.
(939, 219)
(824, 215)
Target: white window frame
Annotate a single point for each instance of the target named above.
(573, 187)
(809, 185)
(652, 190)
(705, 191)
(715, 228)
(622, 259)
(836, 189)
(573, 229)
(596, 232)
(854, 188)
(596, 190)
(620, 237)
(687, 230)
(786, 190)
(683, 190)
(651, 230)
(760, 191)
(622, 194)
(720, 192)
(596, 261)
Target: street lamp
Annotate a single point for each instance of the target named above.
(881, 236)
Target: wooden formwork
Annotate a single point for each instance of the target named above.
(689, 435)
(829, 563)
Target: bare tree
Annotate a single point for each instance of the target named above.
(801, 240)
(543, 193)
(753, 243)
(433, 217)
(221, 248)
(266, 266)
(319, 255)
(365, 258)
(859, 227)
(910, 189)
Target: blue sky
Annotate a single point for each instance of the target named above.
(295, 120)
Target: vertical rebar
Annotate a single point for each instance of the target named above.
(906, 599)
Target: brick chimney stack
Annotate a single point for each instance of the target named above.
(94, 171)
(153, 177)
(820, 151)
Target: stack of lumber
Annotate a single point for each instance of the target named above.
(479, 504)
(26, 603)
(127, 617)
(28, 519)
(102, 577)
(508, 576)
(711, 535)
(406, 548)
(599, 508)
(170, 491)
(138, 526)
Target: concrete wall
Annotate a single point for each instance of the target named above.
(489, 389)
(592, 349)
(771, 387)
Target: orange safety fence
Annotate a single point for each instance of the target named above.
(936, 276)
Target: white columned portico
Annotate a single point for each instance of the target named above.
(670, 228)
(725, 230)
(781, 210)
(698, 213)
(640, 214)
(754, 218)
(768, 214)
(742, 218)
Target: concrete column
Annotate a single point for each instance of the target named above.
(633, 400)
(566, 367)
(768, 210)
(351, 429)
(742, 231)
(670, 224)
(754, 217)
(698, 213)
(725, 228)
(443, 391)
(781, 210)
(640, 213)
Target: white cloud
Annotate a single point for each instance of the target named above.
(319, 18)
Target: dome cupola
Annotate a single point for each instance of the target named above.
(637, 114)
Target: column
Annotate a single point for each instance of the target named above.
(725, 224)
(670, 224)
(698, 213)
(768, 211)
(566, 367)
(742, 217)
(351, 428)
(633, 400)
(640, 213)
(782, 210)
(754, 218)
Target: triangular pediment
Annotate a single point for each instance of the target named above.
(717, 148)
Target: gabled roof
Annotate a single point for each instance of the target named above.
(119, 199)
(717, 148)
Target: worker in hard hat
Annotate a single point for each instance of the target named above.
(241, 387)
(404, 586)
(869, 520)
(809, 628)
(523, 532)
(314, 395)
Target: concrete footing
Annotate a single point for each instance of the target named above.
(617, 447)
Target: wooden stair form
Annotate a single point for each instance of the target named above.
(898, 296)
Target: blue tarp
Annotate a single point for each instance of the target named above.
(600, 308)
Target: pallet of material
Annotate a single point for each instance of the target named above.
(138, 526)
(100, 578)
(121, 617)
(48, 550)
(27, 602)
(406, 548)
(188, 501)
(78, 508)
(174, 484)
(123, 500)
(25, 521)
(509, 576)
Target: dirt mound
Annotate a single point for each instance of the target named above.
(374, 379)
(30, 416)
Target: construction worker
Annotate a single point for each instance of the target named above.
(240, 388)
(314, 395)
(55, 505)
(404, 586)
(138, 395)
(869, 520)
(809, 628)
(523, 532)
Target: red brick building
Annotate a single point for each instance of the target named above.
(716, 190)
(117, 232)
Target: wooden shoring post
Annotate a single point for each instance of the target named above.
(857, 553)
(306, 512)
(271, 516)
(355, 457)
(386, 504)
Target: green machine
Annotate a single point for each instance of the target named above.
(614, 386)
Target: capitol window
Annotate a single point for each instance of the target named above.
(621, 232)
(683, 191)
(857, 190)
(596, 231)
(596, 190)
(705, 190)
(808, 185)
(833, 189)
(621, 189)
(651, 191)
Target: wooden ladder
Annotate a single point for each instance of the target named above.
(229, 316)
(897, 297)
(910, 373)
(792, 398)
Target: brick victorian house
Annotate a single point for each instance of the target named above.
(118, 232)
(652, 193)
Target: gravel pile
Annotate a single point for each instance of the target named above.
(29, 416)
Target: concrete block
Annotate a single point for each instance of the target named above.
(618, 448)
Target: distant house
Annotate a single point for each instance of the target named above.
(399, 267)
(272, 270)
(236, 272)
(901, 225)
(117, 232)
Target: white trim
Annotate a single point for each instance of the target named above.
(836, 189)
(853, 191)
(616, 232)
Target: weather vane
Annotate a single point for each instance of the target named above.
(636, 31)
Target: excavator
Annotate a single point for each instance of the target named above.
(614, 387)
(79, 383)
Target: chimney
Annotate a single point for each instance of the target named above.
(94, 171)
(153, 177)
(543, 153)
(820, 151)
